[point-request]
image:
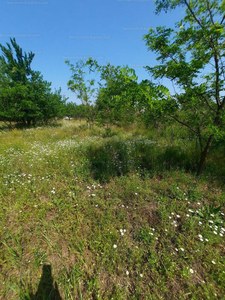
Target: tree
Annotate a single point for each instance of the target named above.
(25, 97)
(192, 57)
(117, 92)
(84, 89)
(150, 103)
(69, 110)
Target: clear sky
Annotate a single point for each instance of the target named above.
(57, 30)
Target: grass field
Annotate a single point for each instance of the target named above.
(86, 214)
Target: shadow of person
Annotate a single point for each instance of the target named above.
(46, 289)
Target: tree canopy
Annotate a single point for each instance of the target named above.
(192, 57)
(25, 97)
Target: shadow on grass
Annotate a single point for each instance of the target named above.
(117, 158)
(108, 160)
(23, 126)
(46, 289)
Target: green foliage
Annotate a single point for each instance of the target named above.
(117, 96)
(186, 55)
(85, 90)
(209, 213)
(25, 97)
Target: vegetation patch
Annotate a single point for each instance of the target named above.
(87, 217)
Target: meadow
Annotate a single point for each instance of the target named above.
(117, 214)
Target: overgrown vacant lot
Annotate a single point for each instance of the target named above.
(86, 215)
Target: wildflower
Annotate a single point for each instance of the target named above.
(122, 231)
(191, 271)
(127, 273)
(178, 216)
(206, 240)
(141, 275)
(214, 232)
(187, 215)
(114, 246)
(178, 188)
(200, 223)
(182, 249)
(213, 262)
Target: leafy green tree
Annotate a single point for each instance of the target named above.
(70, 110)
(25, 97)
(116, 94)
(84, 89)
(192, 57)
(150, 104)
(80, 112)
(52, 107)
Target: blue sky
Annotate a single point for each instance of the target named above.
(56, 30)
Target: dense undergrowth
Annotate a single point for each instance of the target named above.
(120, 214)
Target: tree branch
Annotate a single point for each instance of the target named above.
(222, 19)
(217, 79)
(210, 13)
(184, 124)
(193, 14)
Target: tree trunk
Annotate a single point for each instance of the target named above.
(204, 154)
